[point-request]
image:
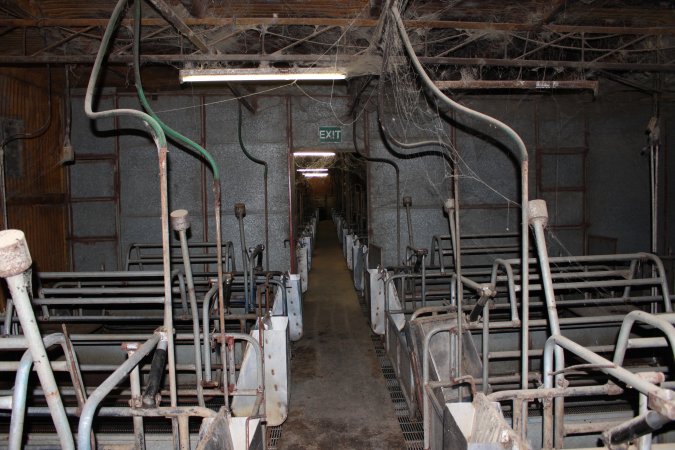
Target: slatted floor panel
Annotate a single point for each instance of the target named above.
(413, 430)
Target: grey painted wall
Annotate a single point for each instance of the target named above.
(565, 135)
(115, 176)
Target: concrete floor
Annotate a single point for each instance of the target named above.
(338, 395)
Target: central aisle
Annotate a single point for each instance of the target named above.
(339, 399)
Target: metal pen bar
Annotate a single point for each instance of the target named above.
(659, 322)
(538, 215)
(15, 262)
(661, 400)
(87, 415)
(180, 222)
(20, 390)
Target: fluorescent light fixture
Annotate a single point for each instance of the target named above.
(260, 74)
(310, 153)
(313, 170)
(315, 174)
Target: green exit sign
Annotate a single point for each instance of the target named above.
(330, 135)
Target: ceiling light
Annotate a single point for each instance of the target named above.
(313, 170)
(310, 153)
(260, 74)
(315, 174)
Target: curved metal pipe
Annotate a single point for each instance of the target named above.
(398, 188)
(266, 196)
(520, 152)
(87, 416)
(159, 138)
(20, 391)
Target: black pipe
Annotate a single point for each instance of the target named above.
(398, 188)
(634, 428)
(227, 289)
(257, 254)
(264, 164)
(156, 375)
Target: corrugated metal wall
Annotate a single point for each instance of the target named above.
(37, 182)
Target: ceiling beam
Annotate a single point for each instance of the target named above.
(588, 65)
(174, 19)
(304, 39)
(518, 84)
(248, 22)
(339, 59)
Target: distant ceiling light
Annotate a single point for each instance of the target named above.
(313, 170)
(324, 154)
(315, 174)
(260, 74)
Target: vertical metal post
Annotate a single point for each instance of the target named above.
(206, 326)
(538, 218)
(15, 262)
(645, 441)
(485, 345)
(180, 222)
(424, 280)
(166, 265)
(240, 213)
(136, 397)
(407, 203)
(9, 313)
(451, 208)
(183, 426)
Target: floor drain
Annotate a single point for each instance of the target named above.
(273, 436)
(413, 430)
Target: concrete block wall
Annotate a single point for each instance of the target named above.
(118, 161)
(573, 140)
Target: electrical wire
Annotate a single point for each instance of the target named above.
(264, 164)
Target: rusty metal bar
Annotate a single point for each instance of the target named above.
(339, 59)
(305, 39)
(247, 22)
(63, 41)
(170, 15)
(518, 84)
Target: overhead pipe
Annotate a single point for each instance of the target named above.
(159, 138)
(390, 139)
(266, 195)
(15, 263)
(445, 104)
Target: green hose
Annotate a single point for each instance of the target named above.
(170, 132)
(156, 129)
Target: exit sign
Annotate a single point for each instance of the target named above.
(330, 135)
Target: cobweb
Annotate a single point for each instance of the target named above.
(410, 118)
